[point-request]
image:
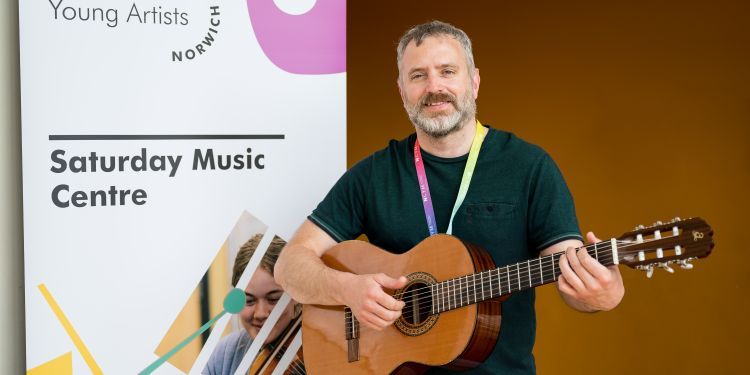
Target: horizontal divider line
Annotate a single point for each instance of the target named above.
(127, 137)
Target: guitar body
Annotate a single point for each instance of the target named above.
(459, 339)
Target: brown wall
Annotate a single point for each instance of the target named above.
(645, 106)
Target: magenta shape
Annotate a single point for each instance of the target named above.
(309, 43)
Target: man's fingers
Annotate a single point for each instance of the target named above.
(569, 274)
(383, 298)
(564, 286)
(591, 238)
(378, 309)
(595, 269)
(387, 302)
(390, 282)
(373, 321)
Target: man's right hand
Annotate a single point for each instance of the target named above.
(372, 306)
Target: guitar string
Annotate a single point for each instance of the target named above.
(548, 262)
(464, 281)
(425, 297)
(297, 368)
(457, 299)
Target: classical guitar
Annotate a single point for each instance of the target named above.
(453, 297)
(268, 359)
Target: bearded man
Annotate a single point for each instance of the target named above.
(486, 186)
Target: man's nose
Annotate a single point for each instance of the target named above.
(434, 83)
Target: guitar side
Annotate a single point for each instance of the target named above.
(458, 339)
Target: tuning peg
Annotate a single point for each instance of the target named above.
(639, 227)
(657, 223)
(686, 265)
(676, 219)
(649, 271)
(666, 267)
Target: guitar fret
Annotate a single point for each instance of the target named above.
(442, 296)
(506, 277)
(448, 296)
(518, 276)
(499, 283)
(541, 271)
(507, 274)
(596, 252)
(554, 273)
(461, 292)
(454, 293)
(474, 283)
(474, 290)
(489, 273)
(528, 265)
(481, 278)
(450, 293)
(458, 293)
(468, 301)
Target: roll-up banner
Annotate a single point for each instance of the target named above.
(159, 138)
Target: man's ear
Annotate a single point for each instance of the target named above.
(475, 83)
(400, 90)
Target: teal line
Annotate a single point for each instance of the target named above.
(177, 348)
(233, 303)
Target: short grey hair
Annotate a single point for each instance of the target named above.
(435, 28)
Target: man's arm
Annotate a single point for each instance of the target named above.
(307, 279)
(585, 284)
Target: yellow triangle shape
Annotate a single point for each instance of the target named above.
(62, 365)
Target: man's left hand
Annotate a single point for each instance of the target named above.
(586, 284)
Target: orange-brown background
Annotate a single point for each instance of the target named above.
(645, 106)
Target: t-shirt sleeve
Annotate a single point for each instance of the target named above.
(341, 213)
(552, 215)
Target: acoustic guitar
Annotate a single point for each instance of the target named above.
(453, 297)
(268, 359)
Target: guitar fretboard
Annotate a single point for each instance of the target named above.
(466, 290)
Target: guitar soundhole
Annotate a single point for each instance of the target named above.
(416, 317)
(418, 298)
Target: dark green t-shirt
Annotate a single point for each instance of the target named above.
(517, 205)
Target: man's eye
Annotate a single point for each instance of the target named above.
(249, 302)
(416, 76)
(448, 72)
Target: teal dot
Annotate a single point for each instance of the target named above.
(234, 301)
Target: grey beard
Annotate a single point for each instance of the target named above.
(441, 126)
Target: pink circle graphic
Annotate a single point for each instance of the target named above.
(309, 43)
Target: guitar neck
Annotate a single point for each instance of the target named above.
(470, 289)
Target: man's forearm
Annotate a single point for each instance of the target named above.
(307, 279)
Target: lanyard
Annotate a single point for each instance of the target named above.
(424, 188)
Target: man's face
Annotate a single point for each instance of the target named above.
(262, 294)
(436, 86)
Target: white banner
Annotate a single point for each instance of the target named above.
(150, 129)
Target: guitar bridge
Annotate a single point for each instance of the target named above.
(351, 327)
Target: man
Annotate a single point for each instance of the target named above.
(516, 207)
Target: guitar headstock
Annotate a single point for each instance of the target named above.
(662, 244)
